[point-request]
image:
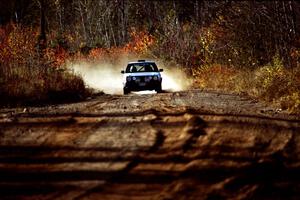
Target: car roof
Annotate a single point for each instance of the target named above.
(141, 61)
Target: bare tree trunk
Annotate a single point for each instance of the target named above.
(42, 37)
(124, 20)
(112, 31)
(293, 13)
(196, 10)
(82, 21)
(59, 14)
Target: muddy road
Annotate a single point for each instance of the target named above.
(183, 145)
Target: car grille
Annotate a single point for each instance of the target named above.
(140, 79)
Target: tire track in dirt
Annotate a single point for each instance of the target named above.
(203, 166)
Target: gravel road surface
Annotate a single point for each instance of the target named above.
(183, 145)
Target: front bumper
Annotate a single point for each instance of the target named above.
(139, 86)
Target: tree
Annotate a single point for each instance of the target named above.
(42, 37)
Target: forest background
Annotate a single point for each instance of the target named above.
(249, 47)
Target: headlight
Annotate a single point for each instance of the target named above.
(155, 78)
(128, 78)
(134, 78)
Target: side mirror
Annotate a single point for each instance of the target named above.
(122, 72)
(161, 70)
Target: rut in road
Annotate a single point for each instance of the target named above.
(193, 165)
(129, 175)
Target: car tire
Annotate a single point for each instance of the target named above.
(158, 89)
(125, 91)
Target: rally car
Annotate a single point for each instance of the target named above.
(142, 75)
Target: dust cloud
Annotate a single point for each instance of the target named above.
(107, 77)
(174, 79)
(101, 76)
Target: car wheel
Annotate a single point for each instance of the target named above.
(125, 91)
(158, 89)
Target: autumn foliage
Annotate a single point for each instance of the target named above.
(138, 45)
(272, 83)
(33, 75)
(28, 75)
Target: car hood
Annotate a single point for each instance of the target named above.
(143, 74)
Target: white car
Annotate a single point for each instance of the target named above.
(142, 75)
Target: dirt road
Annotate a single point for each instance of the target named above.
(185, 145)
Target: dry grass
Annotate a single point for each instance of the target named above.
(39, 85)
(272, 83)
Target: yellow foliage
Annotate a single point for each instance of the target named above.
(272, 83)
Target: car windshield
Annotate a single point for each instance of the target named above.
(141, 67)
